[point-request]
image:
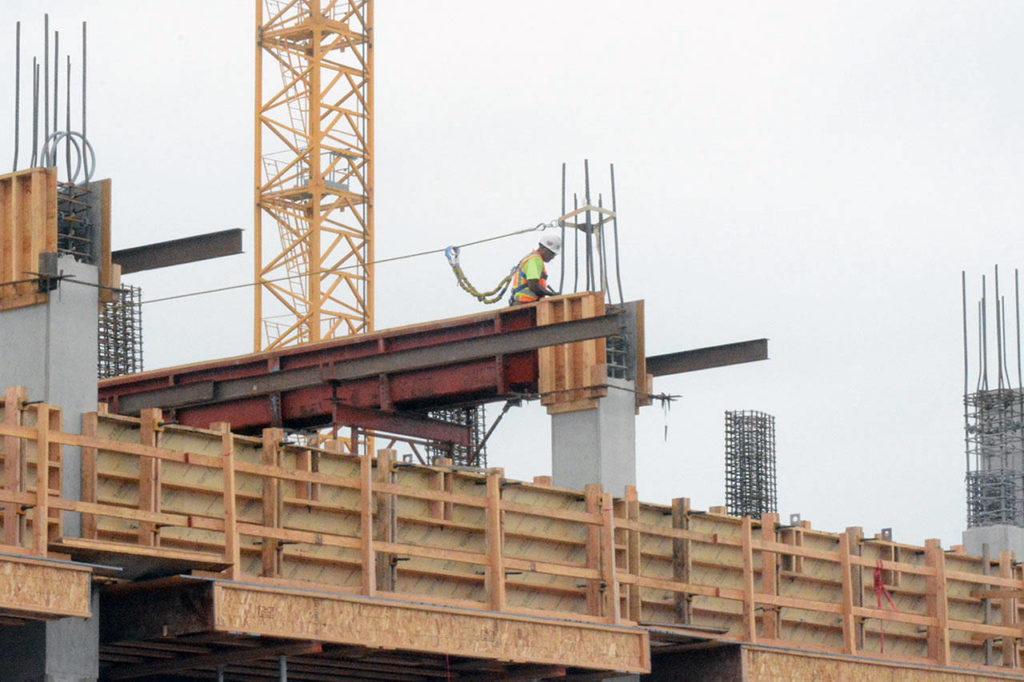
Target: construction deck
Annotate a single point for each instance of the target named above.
(420, 560)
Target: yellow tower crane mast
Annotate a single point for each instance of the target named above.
(313, 171)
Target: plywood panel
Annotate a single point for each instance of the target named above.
(765, 665)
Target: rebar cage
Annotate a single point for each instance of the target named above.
(750, 485)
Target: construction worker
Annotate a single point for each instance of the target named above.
(530, 282)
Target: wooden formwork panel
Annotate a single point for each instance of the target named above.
(571, 376)
(28, 227)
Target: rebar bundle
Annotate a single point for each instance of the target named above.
(750, 487)
(473, 418)
(120, 334)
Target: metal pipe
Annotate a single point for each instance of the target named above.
(17, 90)
(282, 663)
(615, 233)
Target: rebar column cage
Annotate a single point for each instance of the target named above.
(120, 334)
(313, 171)
(750, 486)
(473, 418)
(77, 233)
(993, 414)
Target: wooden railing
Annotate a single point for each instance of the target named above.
(261, 509)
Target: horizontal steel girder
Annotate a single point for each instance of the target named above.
(707, 358)
(179, 251)
(374, 381)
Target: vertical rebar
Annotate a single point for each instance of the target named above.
(56, 77)
(561, 274)
(601, 255)
(963, 287)
(615, 233)
(999, 332)
(46, 76)
(67, 147)
(83, 81)
(35, 111)
(17, 91)
(590, 233)
(984, 333)
(576, 246)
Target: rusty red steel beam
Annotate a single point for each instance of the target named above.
(371, 381)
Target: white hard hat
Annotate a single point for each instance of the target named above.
(551, 242)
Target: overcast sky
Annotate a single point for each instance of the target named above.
(817, 173)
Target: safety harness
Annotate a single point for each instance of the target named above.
(488, 297)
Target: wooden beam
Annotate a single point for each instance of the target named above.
(367, 553)
(14, 466)
(149, 475)
(495, 569)
(681, 560)
(609, 580)
(769, 576)
(409, 626)
(270, 549)
(39, 588)
(749, 605)
(849, 623)
(633, 554)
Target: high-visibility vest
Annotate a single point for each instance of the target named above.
(521, 292)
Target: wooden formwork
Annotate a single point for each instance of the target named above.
(28, 228)
(158, 498)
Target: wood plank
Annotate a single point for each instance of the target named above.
(387, 523)
(89, 474)
(937, 604)
(749, 605)
(592, 499)
(494, 579)
(608, 572)
(14, 465)
(681, 558)
(44, 589)
(849, 623)
(1008, 611)
(633, 554)
(149, 476)
(769, 576)
(367, 553)
(232, 552)
(40, 513)
(272, 504)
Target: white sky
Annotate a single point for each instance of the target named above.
(817, 173)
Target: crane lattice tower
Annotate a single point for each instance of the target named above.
(313, 171)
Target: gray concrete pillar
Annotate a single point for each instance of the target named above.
(998, 538)
(50, 349)
(65, 650)
(598, 445)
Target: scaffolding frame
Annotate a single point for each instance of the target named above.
(750, 483)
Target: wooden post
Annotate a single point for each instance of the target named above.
(55, 474)
(635, 603)
(149, 476)
(936, 602)
(609, 579)
(854, 535)
(232, 550)
(90, 422)
(387, 571)
(368, 558)
(494, 576)
(271, 547)
(749, 605)
(769, 577)
(849, 623)
(681, 558)
(41, 516)
(592, 499)
(1008, 611)
(14, 467)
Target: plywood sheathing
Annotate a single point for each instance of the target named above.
(476, 540)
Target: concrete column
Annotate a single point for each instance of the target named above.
(50, 349)
(65, 650)
(598, 445)
(998, 538)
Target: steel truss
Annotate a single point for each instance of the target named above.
(314, 171)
